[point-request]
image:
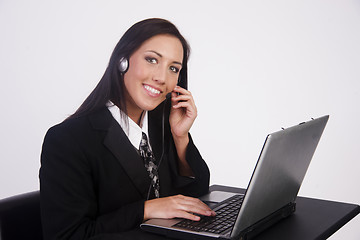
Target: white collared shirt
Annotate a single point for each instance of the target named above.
(132, 130)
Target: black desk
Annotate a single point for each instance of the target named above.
(313, 219)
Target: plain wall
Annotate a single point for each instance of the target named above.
(256, 66)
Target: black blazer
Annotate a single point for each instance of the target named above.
(93, 181)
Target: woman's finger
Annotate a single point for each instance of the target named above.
(182, 98)
(181, 90)
(194, 205)
(186, 215)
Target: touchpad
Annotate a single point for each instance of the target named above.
(217, 196)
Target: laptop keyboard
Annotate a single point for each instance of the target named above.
(224, 220)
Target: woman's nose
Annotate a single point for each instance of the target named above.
(160, 75)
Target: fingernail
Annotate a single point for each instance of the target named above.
(209, 213)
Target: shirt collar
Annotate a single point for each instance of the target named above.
(132, 130)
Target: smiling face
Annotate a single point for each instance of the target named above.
(153, 72)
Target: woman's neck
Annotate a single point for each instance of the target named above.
(136, 117)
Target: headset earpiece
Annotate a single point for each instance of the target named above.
(123, 65)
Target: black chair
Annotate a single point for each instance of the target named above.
(20, 217)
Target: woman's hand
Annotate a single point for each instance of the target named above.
(182, 116)
(178, 206)
(183, 112)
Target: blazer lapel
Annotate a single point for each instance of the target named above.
(120, 146)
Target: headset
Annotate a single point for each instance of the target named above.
(123, 68)
(123, 65)
(168, 96)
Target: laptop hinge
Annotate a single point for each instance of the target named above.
(260, 226)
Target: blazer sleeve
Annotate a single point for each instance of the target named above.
(196, 185)
(68, 194)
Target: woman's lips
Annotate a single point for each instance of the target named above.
(152, 91)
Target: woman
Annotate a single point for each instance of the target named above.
(126, 154)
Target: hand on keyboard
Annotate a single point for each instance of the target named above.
(226, 213)
(178, 206)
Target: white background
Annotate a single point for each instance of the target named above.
(255, 66)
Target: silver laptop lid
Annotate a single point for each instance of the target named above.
(279, 172)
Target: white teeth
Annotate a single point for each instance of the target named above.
(153, 90)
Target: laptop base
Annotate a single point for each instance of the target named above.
(246, 234)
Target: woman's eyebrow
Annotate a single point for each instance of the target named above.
(160, 55)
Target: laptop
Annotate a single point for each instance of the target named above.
(270, 195)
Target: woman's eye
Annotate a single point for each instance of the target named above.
(174, 69)
(151, 60)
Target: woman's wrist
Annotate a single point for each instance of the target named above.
(147, 210)
(181, 141)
